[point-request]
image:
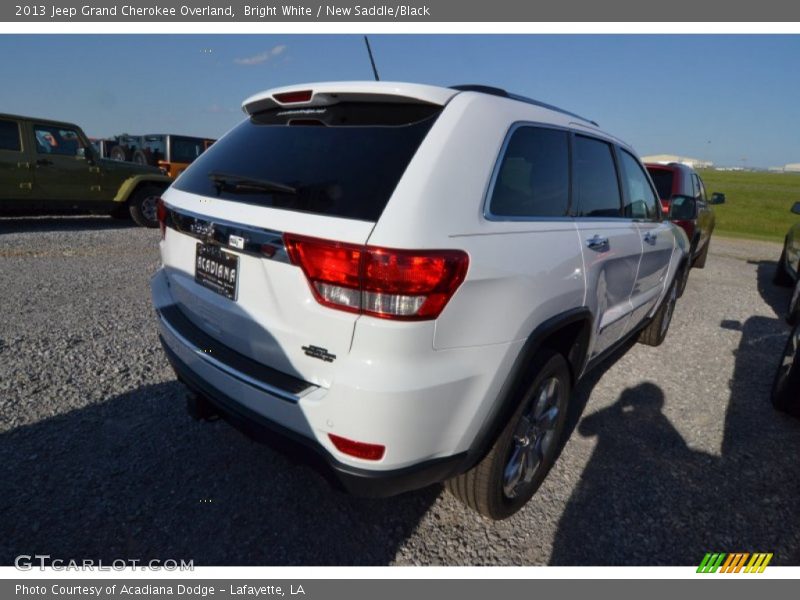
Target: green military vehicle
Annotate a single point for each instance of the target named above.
(50, 166)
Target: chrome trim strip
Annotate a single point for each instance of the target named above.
(255, 241)
(264, 387)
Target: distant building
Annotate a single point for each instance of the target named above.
(792, 168)
(695, 163)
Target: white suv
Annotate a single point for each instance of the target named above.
(408, 280)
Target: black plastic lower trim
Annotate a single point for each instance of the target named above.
(353, 480)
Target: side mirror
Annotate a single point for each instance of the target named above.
(682, 208)
(717, 198)
(796, 208)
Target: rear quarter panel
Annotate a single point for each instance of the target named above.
(521, 272)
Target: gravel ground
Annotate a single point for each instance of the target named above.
(677, 451)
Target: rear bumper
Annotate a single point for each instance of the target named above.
(359, 482)
(425, 406)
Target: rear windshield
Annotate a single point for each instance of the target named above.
(663, 180)
(343, 160)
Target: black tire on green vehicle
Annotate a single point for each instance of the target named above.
(786, 385)
(782, 277)
(518, 462)
(656, 331)
(143, 205)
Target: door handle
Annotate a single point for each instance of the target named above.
(44, 162)
(650, 238)
(597, 242)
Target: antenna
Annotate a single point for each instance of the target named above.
(371, 60)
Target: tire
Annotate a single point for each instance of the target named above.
(494, 487)
(142, 205)
(786, 385)
(782, 277)
(656, 331)
(684, 277)
(119, 153)
(700, 261)
(793, 313)
(140, 157)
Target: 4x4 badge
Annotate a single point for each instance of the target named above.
(320, 353)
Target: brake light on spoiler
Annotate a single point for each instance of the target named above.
(293, 97)
(380, 282)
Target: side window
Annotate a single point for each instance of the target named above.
(9, 136)
(594, 179)
(533, 177)
(701, 189)
(640, 201)
(55, 140)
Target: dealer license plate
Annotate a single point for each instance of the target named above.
(216, 270)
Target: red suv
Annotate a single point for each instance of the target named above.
(683, 198)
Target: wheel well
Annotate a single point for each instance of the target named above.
(143, 184)
(572, 342)
(567, 334)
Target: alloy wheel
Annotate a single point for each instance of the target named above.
(534, 439)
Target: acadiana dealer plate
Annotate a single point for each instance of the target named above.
(216, 270)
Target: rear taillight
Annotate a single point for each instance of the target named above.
(161, 215)
(382, 282)
(358, 449)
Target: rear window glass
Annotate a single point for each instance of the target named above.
(533, 178)
(663, 180)
(9, 136)
(343, 160)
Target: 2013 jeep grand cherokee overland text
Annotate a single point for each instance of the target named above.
(405, 282)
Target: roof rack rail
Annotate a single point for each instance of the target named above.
(495, 91)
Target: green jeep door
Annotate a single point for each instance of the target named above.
(64, 176)
(16, 174)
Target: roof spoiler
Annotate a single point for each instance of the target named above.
(329, 93)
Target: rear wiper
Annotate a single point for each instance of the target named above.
(241, 183)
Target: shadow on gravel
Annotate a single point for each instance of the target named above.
(62, 223)
(646, 498)
(136, 478)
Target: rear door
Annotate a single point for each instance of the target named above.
(641, 205)
(612, 245)
(322, 172)
(16, 174)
